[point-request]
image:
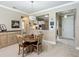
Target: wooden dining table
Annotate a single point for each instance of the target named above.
(30, 39)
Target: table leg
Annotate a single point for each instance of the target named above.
(23, 52)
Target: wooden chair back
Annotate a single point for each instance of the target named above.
(19, 39)
(40, 37)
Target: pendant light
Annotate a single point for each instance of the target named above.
(31, 17)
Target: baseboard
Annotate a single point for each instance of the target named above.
(49, 42)
(77, 48)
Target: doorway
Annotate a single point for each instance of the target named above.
(65, 25)
(25, 24)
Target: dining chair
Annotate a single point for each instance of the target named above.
(29, 37)
(22, 45)
(38, 45)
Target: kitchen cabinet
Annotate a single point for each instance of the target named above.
(8, 38)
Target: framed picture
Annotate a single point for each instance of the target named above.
(15, 24)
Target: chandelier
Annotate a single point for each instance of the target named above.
(31, 17)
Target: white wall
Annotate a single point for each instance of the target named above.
(7, 15)
(52, 14)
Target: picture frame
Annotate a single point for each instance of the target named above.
(15, 24)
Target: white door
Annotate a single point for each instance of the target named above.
(68, 27)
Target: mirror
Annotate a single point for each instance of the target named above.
(42, 22)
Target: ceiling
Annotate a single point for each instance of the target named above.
(29, 7)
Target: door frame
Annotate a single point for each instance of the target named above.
(57, 25)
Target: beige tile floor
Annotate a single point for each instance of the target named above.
(58, 50)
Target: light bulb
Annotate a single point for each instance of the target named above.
(65, 16)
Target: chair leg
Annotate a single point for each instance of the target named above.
(23, 52)
(19, 50)
(31, 48)
(38, 50)
(26, 50)
(41, 48)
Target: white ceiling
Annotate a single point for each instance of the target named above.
(29, 7)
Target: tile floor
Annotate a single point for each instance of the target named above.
(58, 50)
